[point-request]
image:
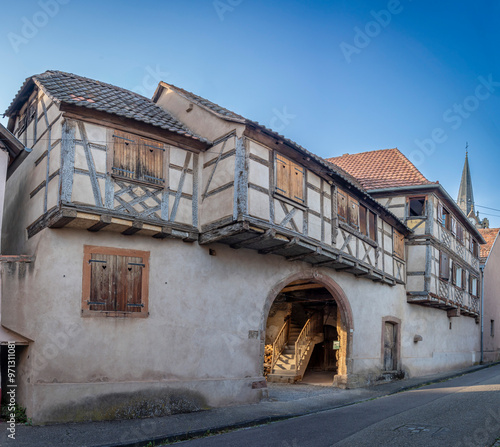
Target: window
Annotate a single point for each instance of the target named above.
(473, 286)
(115, 282)
(460, 233)
(399, 244)
(342, 205)
(492, 328)
(475, 248)
(289, 178)
(458, 276)
(446, 219)
(444, 266)
(137, 158)
(367, 222)
(373, 226)
(416, 206)
(353, 212)
(363, 224)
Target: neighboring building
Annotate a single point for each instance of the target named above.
(490, 261)
(172, 239)
(10, 149)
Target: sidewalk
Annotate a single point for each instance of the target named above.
(285, 401)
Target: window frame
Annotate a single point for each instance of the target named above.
(88, 251)
(292, 167)
(139, 154)
(424, 207)
(473, 280)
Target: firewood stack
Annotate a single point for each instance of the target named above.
(268, 358)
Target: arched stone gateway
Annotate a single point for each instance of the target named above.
(308, 295)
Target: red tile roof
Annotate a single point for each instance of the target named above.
(489, 235)
(386, 168)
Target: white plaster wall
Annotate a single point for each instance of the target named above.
(197, 119)
(4, 161)
(201, 311)
(492, 305)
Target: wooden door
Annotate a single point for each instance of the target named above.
(390, 354)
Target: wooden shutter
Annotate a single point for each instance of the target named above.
(296, 182)
(353, 212)
(444, 266)
(399, 244)
(102, 289)
(453, 225)
(464, 278)
(282, 175)
(150, 161)
(128, 284)
(440, 213)
(363, 223)
(125, 148)
(341, 205)
(373, 226)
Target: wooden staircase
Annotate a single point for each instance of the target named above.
(290, 365)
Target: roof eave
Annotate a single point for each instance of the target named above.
(199, 104)
(444, 194)
(388, 214)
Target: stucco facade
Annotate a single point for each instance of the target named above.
(215, 240)
(491, 298)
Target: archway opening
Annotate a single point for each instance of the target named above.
(306, 335)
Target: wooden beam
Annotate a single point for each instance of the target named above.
(222, 233)
(62, 218)
(294, 241)
(269, 234)
(134, 228)
(316, 252)
(164, 233)
(453, 312)
(302, 287)
(104, 221)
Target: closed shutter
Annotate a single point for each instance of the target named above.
(444, 266)
(353, 211)
(150, 161)
(102, 287)
(125, 154)
(363, 224)
(342, 205)
(133, 274)
(296, 182)
(373, 226)
(399, 244)
(282, 175)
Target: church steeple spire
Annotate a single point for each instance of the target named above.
(465, 198)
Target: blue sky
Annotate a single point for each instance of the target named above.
(335, 76)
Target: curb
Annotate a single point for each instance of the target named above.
(184, 436)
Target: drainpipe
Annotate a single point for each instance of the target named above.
(482, 311)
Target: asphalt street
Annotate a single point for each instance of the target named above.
(462, 412)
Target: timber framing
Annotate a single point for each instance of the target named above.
(125, 124)
(266, 239)
(95, 220)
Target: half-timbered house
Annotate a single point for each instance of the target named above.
(442, 252)
(172, 240)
